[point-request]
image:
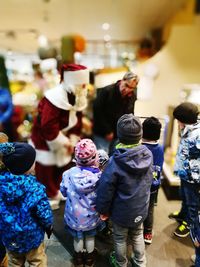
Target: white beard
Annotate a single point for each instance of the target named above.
(58, 97)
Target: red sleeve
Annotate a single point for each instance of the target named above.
(50, 120)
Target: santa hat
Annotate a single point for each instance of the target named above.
(74, 74)
(86, 153)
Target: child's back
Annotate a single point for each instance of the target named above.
(151, 134)
(79, 185)
(3, 256)
(124, 189)
(22, 200)
(25, 210)
(127, 178)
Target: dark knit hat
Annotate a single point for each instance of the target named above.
(151, 129)
(129, 129)
(17, 157)
(186, 113)
(103, 157)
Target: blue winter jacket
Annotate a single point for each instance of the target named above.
(79, 185)
(124, 187)
(187, 165)
(6, 106)
(158, 159)
(24, 212)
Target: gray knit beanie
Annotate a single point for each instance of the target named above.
(129, 129)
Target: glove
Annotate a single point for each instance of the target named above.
(49, 231)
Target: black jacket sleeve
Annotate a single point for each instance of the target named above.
(99, 112)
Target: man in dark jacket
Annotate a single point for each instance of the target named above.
(124, 190)
(110, 104)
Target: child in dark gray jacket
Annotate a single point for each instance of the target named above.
(124, 190)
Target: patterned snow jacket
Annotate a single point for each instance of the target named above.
(79, 185)
(24, 212)
(187, 165)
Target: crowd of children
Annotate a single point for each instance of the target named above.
(25, 211)
(121, 189)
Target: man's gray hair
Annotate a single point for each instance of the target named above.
(128, 76)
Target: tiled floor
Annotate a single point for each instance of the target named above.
(166, 249)
(56, 253)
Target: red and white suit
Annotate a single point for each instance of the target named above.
(57, 124)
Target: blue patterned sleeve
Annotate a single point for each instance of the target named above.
(44, 212)
(6, 115)
(64, 183)
(194, 161)
(6, 148)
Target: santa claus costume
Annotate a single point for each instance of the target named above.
(57, 127)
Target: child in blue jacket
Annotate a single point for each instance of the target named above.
(187, 167)
(124, 191)
(151, 134)
(25, 214)
(79, 186)
(3, 255)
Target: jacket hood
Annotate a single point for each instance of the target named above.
(189, 128)
(25, 212)
(133, 160)
(13, 187)
(84, 179)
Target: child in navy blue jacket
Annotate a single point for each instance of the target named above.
(124, 191)
(25, 211)
(151, 135)
(3, 255)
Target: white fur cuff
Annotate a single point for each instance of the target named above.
(58, 142)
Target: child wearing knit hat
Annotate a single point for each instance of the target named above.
(124, 190)
(187, 167)
(106, 234)
(3, 256)
(79, 185)
(3, 139)
(151, 134)
(25, 211)
(103, 158)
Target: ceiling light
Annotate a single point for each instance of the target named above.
(107, 38)
(42, 40)
(105, 26)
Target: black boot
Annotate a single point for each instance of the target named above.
(89, 259)
(78, 259)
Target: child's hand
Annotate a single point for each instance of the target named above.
(104, 217)
(196, 243)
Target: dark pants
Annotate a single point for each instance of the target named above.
(148, 223)
(197, 260)
(2, 251)
(190, 202)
